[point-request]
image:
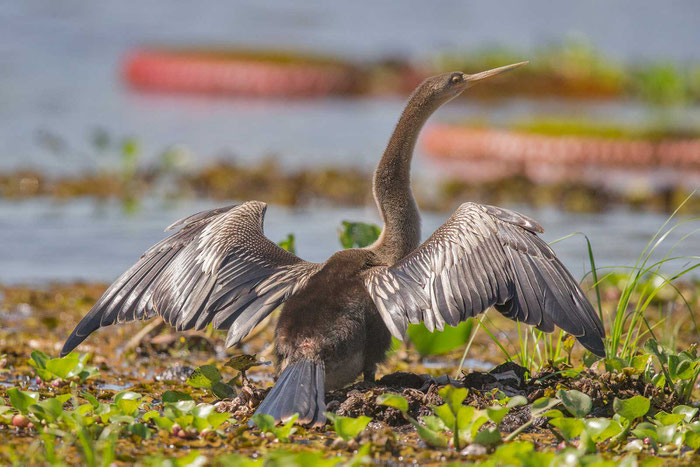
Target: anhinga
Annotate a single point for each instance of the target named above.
(338, 317)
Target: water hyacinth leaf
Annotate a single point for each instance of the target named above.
(496, 413)
(184, 407)
(431, 438)
(164, 423)
(127, 402)
(445, 414)
(476, 425)
(91, 399)
(223, 390)
(488, 438)
(244, 362)
(139, 429)
(668, 418)
(640, 362)
(646, 430)
(21, 400)
(393, 400)
(285, 431)
(217, 419)
(692, 440)
(516, 401)
(358, 234)
(434, 423)
(634, 446)
(439, 342)
(553, 413)
(204, 377)
(288, 244)
(263, 421)
(453, 397)
(575, 402)
(347, 427)
(568, 427)
(63, 367)
(594, 425)
(687, 412)
(542, 405)
(632, 408)
(175, 396)
(203, 410)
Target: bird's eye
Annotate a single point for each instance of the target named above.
(456, 78)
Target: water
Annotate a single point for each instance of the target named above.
(44, 241)
(59, 69)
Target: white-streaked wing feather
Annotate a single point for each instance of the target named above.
(484, 256)
(218, 268)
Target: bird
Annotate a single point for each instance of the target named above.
(337, 317)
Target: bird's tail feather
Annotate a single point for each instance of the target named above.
(299, 389)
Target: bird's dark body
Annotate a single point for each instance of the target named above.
(334, 320)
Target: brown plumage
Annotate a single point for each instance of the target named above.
(337, 317)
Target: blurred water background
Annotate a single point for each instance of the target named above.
(59, 82)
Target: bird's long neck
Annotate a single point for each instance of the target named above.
(392, 185)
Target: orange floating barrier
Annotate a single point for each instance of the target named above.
(233, 73)
(535, 155)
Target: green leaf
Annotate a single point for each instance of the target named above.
(435, 423)
(632, 408)
(688, 412)
(223, 390)
(445, 414)
(575, 402)
(396, 401)
(646, 430)
(488, 438)
(175, 396)
(21, 400)
(263, 421)
(127, 402)
(347, 427)
(285, 431)
(244, 362)
(439, 342)
(431, 438)
(602, 429)
(217, 419)
(63, 367)
(692, 440)
(358, 234)
(669, 418)
(139, 429)
(204, 377)
(542, 405)
(288, 244)
(516, 401)
(39, 359)
(163, 423)
(496, 413)
(569, 427)
(91, 399)
(453, 397)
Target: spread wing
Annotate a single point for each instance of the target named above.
(218, 268)
(484, 256)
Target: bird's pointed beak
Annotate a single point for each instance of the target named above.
(489, 73)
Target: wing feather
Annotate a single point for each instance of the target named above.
(217, 268)
(484, 256)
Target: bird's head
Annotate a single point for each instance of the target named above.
(445, 87)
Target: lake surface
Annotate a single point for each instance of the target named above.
(43, 241)
(59, 70)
